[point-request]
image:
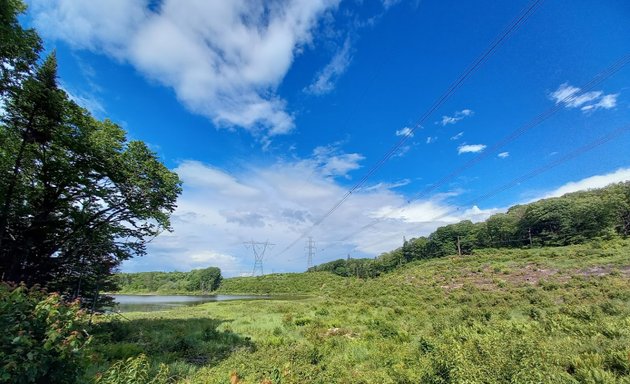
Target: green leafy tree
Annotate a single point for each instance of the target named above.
(19, 48)
(207, 279)
(76, 197)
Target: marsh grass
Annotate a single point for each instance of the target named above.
(558, 315)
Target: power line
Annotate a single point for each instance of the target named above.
(480, 60)
(538, 119)
(544, 168)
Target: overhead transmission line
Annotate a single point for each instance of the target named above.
(544, 168)
(537, 120)
(455, 85)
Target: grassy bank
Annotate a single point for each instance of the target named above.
(557, 315)
(318, 283)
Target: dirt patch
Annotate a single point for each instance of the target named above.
(340, 332)
(489, 279)
(605, 270)
(532, 274)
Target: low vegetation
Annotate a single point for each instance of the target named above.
(281, 284)
(558, 315)
(43, 338)
(540, 293)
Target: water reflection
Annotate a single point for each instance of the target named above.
(150, 303)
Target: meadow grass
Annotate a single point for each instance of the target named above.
(554, 315)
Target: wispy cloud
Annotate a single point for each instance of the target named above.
(573, 97)
(457, 116)
(403, 151)
(458, 136)
(431, 139)
(406, 131)
(470, 148)
(327, 78)
(390, 3)
(224, 59)
(87, 100)
(385, 186)
(597, 181)
(503, 155)
(332, 161)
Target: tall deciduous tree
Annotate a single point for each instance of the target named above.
(76, 197)
(19, 48)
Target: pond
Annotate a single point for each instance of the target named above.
(150, 303)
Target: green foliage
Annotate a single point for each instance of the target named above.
(134, 370)
(42, 338)
(198, 280)
(176, 345)
(281, 283)
(575, 218)
(76, 197)
(556, 315)
(19, 48)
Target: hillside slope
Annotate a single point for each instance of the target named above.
(552, 315)
(282, 283)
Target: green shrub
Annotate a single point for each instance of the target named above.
(134, 370)
(41, 339)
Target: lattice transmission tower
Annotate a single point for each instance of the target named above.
(310, 249)
(258, 248)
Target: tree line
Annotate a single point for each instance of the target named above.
(198, 280)
(76, 196)
(570, 219)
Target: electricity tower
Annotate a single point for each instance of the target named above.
(258, 248)
(310, 247)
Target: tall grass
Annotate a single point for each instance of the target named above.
(558, 315)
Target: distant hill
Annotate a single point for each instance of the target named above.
(575, 218)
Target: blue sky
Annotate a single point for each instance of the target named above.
(270, 111)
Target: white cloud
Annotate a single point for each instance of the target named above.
(384, 186)
(390, 3)
(503, 155)
(457, 116)
(403, 151)
(431, 139)
(573, 97)
(419, 218)
(219, 210)
(605, 102)
(406, 131)
(211, 225)
(87, 101)
(598, 181)
(198, 175)
(223, 59)
(327, 78)
(331, 161)
(470, 148)
(458, 136)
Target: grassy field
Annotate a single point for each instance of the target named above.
(554, 315)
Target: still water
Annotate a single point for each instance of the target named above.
(149, 303)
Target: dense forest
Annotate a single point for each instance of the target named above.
(570, 219)
(198, 280)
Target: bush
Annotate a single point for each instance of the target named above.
(41, 340)
(134, 370)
